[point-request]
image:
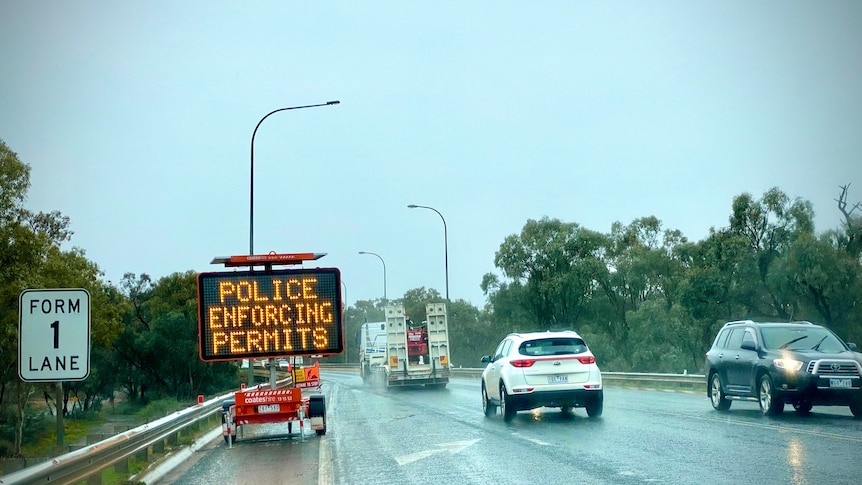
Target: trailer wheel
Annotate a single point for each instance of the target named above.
(317, 408)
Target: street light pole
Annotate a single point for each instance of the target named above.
(384, 272)
(250, 374)
(445, 241)
(251, 177)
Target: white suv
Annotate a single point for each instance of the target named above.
(552, 369)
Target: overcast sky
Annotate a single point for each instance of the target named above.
(137, 117)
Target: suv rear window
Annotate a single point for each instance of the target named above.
(552, 346)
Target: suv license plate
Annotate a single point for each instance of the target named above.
(269, 408)
(840, 383)
(557, 379)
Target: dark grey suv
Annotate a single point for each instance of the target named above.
(796, 363)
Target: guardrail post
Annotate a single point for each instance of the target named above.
(122, 466)
(159, 446)
(143, 456)
(95, 479)
(174, 439)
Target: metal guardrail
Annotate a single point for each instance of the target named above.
(86, 462)
(80, 464)
(681, 381)
(83, 463)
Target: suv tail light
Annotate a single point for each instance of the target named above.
(522, 362)
(588, 359)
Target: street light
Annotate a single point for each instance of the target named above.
(445, 241)
(251, 199)
(251, 177)
(384, 272)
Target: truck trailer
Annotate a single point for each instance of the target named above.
(400, 352)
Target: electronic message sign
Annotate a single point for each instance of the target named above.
(260, 314)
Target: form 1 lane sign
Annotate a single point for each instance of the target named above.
(54, 335)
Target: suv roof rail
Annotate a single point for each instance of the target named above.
(739, 322)
(548, 330)
(795, 322)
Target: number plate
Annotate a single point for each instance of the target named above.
(558, 379)
(269, 408)
(840, 383)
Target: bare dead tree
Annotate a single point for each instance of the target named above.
(854, 233)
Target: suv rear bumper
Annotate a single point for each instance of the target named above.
(573, 398)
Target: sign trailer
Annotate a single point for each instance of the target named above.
(270, 314)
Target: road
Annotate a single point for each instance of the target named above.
(416, 436)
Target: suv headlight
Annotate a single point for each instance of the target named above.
(788, 364)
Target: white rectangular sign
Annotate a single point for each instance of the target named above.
(54, 335)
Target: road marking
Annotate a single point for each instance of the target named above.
(778, 428)
(325, 461)
(452, 448)
(531, 440)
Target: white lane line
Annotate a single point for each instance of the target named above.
(531, 440)
(325, 475)
(778, 428)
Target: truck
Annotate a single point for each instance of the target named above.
(372, 349)
(400, 352)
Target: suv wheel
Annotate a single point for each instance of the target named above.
(594, 406)
(488, 408)
(505, 406)
(717, 397)
(770, 403)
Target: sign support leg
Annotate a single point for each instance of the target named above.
(58, 404)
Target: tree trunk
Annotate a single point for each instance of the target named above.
(22, 393)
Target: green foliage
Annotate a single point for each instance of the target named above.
(649, 300)
(159, 408)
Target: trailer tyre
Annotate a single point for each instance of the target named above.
(317, 408)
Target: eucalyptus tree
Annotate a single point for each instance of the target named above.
(557, 264)
(718, 277)
(850, 237)
(770, 225)
(642, 267)
(31, 256)
(157, 352)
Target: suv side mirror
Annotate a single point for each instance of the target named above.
(852, 346)
(748, 345)
(486, 359)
